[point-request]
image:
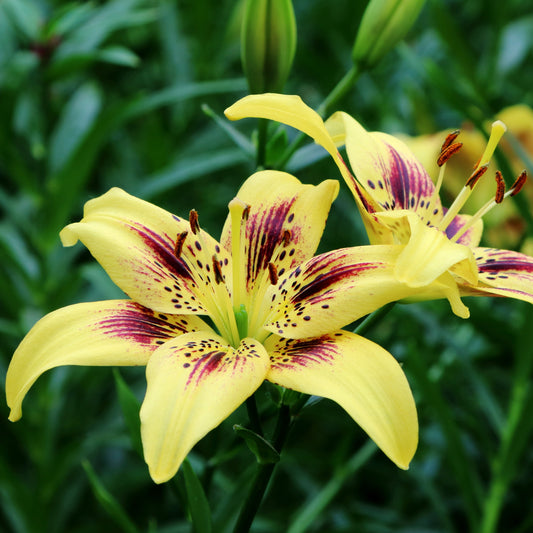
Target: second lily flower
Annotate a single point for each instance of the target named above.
(433, 252)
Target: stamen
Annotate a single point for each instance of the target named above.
(498, 199)
(447, 152)
(193, 221)
(180, 240)
(474, 177)
(450, 138)
(273, 273)
(287, 235)
(516, 187)
(219, 277)
(500, 187)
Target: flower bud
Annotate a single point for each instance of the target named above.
(384, 24)
(268, 43)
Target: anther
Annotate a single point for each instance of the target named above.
(273, 273)
(450, 138)
(180, 240)
(500, 187)
(219, 277)
(286, 237)
(519, 183)
(447, 152)
(193, 221)
(473, 179)
(246, 213)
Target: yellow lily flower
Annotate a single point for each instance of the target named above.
(434, 251)
(277, 311)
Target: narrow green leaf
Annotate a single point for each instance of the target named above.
(108, 501)
(78, 117)
(264, 452)
(130, 406)
(183, 170)
(118, 55)
(312, 510)
(197, 500)
(26, 17)
(235, 135)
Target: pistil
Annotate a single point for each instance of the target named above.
(239, 214)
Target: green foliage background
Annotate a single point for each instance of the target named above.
(130, 93)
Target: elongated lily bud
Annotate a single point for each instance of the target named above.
(384, 24)
(268, 43)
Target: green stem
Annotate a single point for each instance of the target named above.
(253, 415)
(339, 91)
(263, 475)
(262, 125)
(373, 318)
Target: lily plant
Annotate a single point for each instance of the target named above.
(433, 251)
(274, 312)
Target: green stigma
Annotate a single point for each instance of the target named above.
(241, 317)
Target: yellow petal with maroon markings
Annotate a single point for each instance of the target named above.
(361, 377)
(135, 242)
(114, 332)
(332, 290)
(283, 226)
(502, 273)
(194, 382)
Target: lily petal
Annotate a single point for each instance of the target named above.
(503, 273)
(472, 236)
(114, 332)
(291, 110)
(135, 242)
(429, 253)
(334, 289)
(386, 168)
(285, 222)
(361, 377)
(194, 382)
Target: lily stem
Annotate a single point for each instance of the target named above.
(262, 125)
(263, 475)
(373, 318)
(339, 91)
(253, 415)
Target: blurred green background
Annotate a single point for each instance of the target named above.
(130, 93)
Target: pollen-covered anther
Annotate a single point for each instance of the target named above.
(287, 236)
(246, 213)
(447, 152)
(219, 277)
(273, 273)
(500, 187)
(516, 187)
(474, 178)
(450, 138)
(193, 221)
(180, 240)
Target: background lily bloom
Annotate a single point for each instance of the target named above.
(435, 251)
(277, 311)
